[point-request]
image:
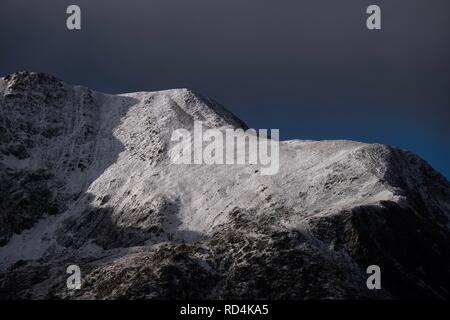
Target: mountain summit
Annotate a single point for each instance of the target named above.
(86, 179)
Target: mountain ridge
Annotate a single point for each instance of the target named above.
(86, 180)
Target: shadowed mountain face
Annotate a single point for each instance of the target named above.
(86, 179)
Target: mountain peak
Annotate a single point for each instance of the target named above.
(23, 85)
(31, 78)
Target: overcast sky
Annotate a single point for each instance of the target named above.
(310, 68)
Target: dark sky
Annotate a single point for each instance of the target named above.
(309, 68)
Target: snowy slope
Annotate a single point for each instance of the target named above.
(87, 179)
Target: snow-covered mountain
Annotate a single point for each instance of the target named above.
(86, 179)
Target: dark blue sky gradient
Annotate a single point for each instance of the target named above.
(309, 68)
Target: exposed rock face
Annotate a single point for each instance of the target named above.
(85, 179)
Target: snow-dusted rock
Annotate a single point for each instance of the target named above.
(86, 179)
